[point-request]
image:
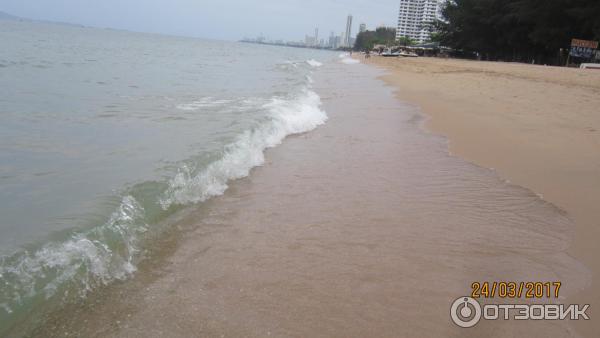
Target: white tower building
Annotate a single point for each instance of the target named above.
(415, 17)
(348, 35)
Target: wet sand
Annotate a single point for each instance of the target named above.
(537, 126)
(363, 227)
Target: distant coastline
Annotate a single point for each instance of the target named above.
(6, 16)
(9, 17)
(291, 44)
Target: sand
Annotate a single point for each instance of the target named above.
(537, 126)
(364, 227)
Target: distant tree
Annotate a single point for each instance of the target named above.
(381, 36)
(385, 35)
(587, 12)
(518, 30)
(405, 41)
(364, 41)
(435, 37)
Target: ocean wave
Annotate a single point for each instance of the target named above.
(286, 117)
(61, 270)
(207, 102)
(349, 61)
(314, 63)
(82, 262)
(294, 64)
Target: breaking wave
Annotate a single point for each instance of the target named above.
(33, 279)
(207, 102)
(286, 117)
(73, 267)
(349, 61)
(314, 63)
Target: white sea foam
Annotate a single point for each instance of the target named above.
(87, 259)
(314, 63)
(286, 117)
(206, 102)
(349, 61)
(291, 63)
(346, 59)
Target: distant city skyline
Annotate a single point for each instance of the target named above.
(345, 39)
(223, 20)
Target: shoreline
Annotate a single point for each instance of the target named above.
(362, 227)
(536, 126)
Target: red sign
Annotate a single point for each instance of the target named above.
(584, 43)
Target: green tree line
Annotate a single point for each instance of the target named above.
(518, 30)
(381, 36)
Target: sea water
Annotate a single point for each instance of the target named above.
(105, 134)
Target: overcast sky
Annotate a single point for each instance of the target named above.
(217, 19)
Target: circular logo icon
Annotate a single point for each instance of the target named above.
(465, 312)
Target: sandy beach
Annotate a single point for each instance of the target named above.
(537, 126)
(366, 226)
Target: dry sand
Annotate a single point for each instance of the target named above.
(537, 126)
(365, 227)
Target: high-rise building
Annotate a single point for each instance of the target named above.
(348, 35)
(363, 28)
(310, 41)
(332, 41)
(415, 18)
(338, 41)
